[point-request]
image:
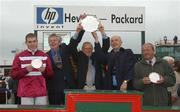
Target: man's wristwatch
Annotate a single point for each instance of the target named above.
(125, 81)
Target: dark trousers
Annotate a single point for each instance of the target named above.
(56, 98)
(115, 88)
(17, 99)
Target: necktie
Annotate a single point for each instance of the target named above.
(150, 62)
(90, 74)
(58, 60)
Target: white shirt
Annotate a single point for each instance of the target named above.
(153, 60)
(90, 77)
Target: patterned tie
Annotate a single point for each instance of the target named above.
(58, 60)
(150, 62)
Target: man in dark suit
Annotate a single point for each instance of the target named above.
(89, 70)
(119, 64)
(63, 75)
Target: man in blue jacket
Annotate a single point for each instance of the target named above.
(60, 54)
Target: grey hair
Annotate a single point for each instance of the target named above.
(55, 35)
(151, 45)
(168, 58)
(85, 43)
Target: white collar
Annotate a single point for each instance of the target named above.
(153, 60)
(32, 51)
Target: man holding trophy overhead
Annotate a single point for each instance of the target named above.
(118, 63)
(89, 69)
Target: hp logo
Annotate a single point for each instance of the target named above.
(49, 15)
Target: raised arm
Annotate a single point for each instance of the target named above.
(105, 39)
(100, 55)
(75, 40)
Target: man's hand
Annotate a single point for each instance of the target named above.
(82, 16)
(161, 80)
(79, 28)
(94, 34)
(123, 86)
(29, 68)
(146, 80)
(101, 28)
(41, 69)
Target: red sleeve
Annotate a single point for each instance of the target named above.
(17, 72)
(48, 71)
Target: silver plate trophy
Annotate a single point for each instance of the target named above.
(90, 23)
(154, 77)
(36, 63)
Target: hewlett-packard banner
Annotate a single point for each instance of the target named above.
(66, 17)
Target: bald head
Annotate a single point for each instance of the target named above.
(116, 42)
